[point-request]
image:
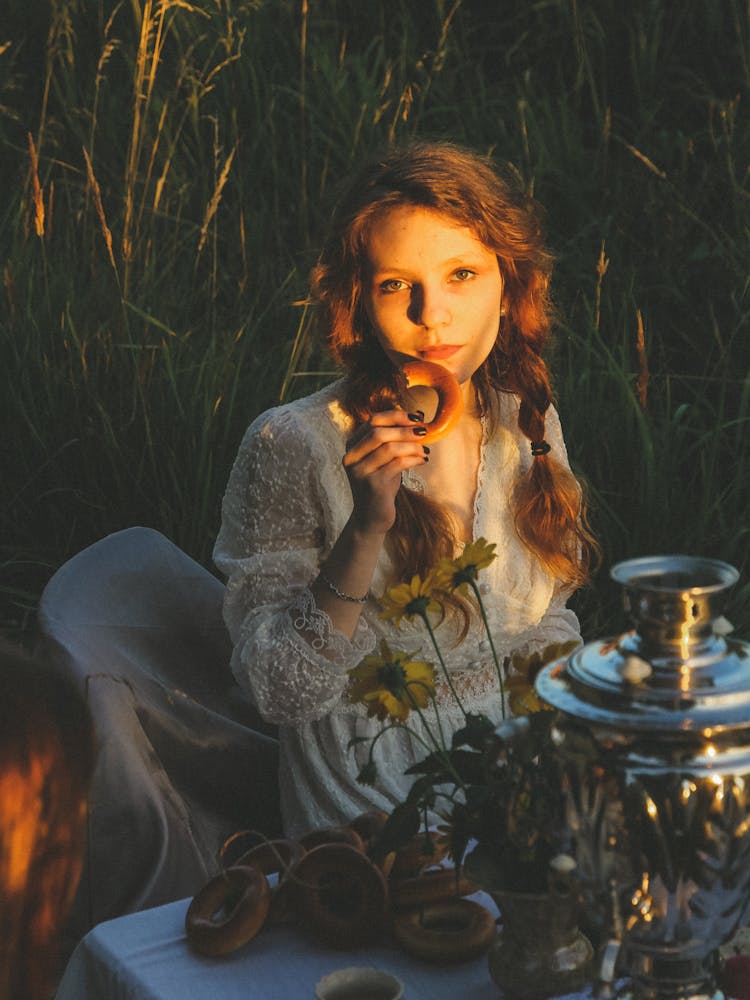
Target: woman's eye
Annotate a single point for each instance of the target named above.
(463, 274)
(392, 285)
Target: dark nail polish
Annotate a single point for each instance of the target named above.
(420, 431)
(425, 449)
(426, 459)
(417, 416)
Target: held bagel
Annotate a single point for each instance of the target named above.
(450, 400)
(228, 911)
(430, 886)
(452, 930)
(341, 896)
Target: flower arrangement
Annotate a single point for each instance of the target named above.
(503, 793)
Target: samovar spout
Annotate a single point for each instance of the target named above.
(604, 987)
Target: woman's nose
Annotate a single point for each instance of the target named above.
(429, 307)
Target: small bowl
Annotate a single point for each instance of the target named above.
(359, 983)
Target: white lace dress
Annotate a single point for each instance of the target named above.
(287, 501)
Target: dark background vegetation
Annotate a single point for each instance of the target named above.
(149, 316)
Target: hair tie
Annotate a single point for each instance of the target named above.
(540, 448)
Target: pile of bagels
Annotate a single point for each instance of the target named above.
(328, 883)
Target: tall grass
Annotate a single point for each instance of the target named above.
(184, 158)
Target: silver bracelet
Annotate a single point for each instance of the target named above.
(341, 596)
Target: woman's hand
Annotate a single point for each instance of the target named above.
(377, 454)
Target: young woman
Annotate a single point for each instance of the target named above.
(334, 498)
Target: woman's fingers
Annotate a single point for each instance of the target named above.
(389, 454)
(377, 454)
(382, 429)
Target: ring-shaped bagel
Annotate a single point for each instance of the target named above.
(452, 930)
(332, 835)
(429, 886)
(273, 856)
(341, 896)
(450, 401)
(228, 911)
(420, 851)
(369, 824)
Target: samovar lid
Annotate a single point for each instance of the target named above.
(676, 670)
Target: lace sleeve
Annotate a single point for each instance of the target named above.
(559, 624)
(270, 545)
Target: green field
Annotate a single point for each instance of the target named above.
(167, 169)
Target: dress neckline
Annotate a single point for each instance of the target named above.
(414, 481)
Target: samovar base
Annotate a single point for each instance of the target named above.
(654, 976)
(632, 993)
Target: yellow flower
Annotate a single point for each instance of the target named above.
(457, 573)
(519, 686)
(391, 684)
(522, 696)
(408, 599)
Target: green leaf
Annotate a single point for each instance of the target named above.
(475, 733)
(434, 763)
(422, 792)
(477, 796)
(400, 827)
(469, 765)
(368, 774)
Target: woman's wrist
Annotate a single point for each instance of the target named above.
(342, 586)
(342, 596)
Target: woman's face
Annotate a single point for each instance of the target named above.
(432, 290)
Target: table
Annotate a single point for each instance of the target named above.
(145, 956)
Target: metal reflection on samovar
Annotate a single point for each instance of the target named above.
(654, 733)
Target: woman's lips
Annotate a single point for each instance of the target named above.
(441, 353)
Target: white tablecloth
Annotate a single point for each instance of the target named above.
(145, 956)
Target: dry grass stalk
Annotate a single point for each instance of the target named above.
(9, 285)
(110, 46)
(50, 206)
(641, 385)
(215, 199)
(602, 266)
(403, 108)
(152, 161)
(36, 189)
(643, 158)
(243, 250)
(94, 185)
(149, 52)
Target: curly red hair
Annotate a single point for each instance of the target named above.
(462, 185)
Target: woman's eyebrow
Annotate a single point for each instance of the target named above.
(468, 258)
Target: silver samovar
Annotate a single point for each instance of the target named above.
(654, 735)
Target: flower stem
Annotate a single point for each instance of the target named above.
(449, 682)
(483, 613)
(438, 744)
(440, 748)
(381, 732)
